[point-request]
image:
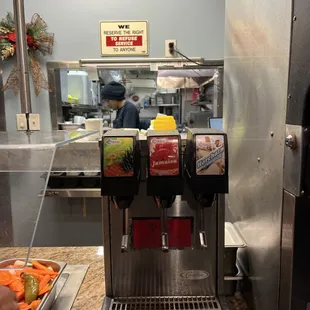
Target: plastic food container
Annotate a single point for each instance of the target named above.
(48, 298)
(164, 123)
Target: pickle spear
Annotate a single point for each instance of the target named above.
(31, 288)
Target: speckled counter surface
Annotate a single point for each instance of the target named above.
(92, 290)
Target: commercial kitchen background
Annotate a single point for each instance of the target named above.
(198, 28)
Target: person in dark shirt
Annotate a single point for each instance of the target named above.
(127, 115)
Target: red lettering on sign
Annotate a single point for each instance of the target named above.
(147, 233)
(124, 41)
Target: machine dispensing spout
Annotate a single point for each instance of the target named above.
(164, 203)
(164, 233)
(123, 203)
(202, 232)
(120, 148)
(205, 201)
(125, 237)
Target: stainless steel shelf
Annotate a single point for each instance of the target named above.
(161, 106)
(239, 276)
(74, 193)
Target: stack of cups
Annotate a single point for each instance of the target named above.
(94, 124)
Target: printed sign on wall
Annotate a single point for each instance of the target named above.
(124, 38)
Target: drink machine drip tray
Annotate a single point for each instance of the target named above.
(165, 303)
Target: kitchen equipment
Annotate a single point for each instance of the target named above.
(168, 99)
(199, 119)
(69, 126)
(48, 298)
(95, 124)
(165, 265)
(78, 87)
(79, 119)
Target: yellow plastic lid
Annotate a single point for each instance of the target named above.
(164, 117)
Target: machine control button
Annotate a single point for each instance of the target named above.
(290, 141)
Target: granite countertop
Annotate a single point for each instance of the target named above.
(92, 290)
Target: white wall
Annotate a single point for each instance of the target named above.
(198, 27)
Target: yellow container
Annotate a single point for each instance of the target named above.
(165, 117)
(164, 125)
(164, 122)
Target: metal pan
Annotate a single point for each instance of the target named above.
(233, 242)
(49, 298)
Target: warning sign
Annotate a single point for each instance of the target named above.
(124, 38)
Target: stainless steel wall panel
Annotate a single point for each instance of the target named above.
(287, 248)
(298, 105)
(295, 254)
(257, 43)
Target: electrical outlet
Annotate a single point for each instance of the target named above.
(34, 122)
(167, 48)
(21, 122)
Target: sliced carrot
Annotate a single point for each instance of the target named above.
(39, 266)
(46, 289)
(44, 281)
(17, 285)
(5, 277)
(12, 272)
(19, 264)
(24, 306)
(44, 270)
(35, 304)
(20, 295)
(37, 271)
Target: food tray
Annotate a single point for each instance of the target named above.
(48, 298)
(233, 242)
(232, 237)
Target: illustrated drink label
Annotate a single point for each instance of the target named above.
(118, 158)
(210, 155)
(164, 156)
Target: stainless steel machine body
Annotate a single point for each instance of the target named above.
(136, 273)
(266, 117)
(146, 278)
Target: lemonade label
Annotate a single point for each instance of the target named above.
(118, 157)
(210, 155)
